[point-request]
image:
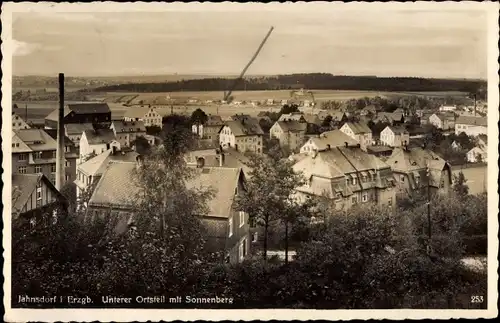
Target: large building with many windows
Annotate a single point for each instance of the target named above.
(34, 152)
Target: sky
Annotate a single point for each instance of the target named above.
(441, 44)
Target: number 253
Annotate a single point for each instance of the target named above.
(476, 299)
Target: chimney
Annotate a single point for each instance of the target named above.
(60, 170)
(314, 153)
(328, 147)
(346, 144)
(113, 151)
(222, 158)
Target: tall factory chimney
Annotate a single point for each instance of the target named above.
(60, 164)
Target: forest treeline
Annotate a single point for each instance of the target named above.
(318, 81)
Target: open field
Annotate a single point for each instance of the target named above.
(476, 176)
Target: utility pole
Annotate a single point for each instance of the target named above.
(429, 225)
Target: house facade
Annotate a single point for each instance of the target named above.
(34, 196)
(477, 155)
(290, 133)
(126, 132)
(416, 169)
(348, 177)
(210, 129)
(96, 142)
(244, 135)
(444, 121)
(18, 123)
(34, 152)
(74, 131)
(228, 228)
(325, 140)
(394, 136)
(79, 113)
(148, 115)
(359, 132)
(471, 126)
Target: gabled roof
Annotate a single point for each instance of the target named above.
(117, 187)
(295, 116)
(23, 185)
(128, 126)
(445, 116)
(359, 127)
(476, 121)
(334, 138)
(245, 127)
(214, 120)
(311, 118)
(398, 130)
(99, 136)
(54, 115)
(137, 112)
(77, 128)
(89, 107)
(96, 166)
(292, 126)
(35, 140)
(53, 134)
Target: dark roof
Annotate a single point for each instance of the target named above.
(99, 136)
(53, 134)
(77, 128)
(292, 126)
(129, 126)
(245, 126)
(477, 121)
(359, 127)
(85, 108)
(25, 184)
(398, 130)
(214, 121)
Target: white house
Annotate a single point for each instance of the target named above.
(127, 132)
(210, 129)
(290, 133)
(97, 141)
(359, 132)
(148, 115)
(243, 134)
(18, 123)
(444, 121)
(471, 126)
(447, 108)
(477, 154)
(394, 136)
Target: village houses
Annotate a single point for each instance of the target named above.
(394, 136)
(96, 142)
(242, 133)
(449, 108)
(148, 115)
(415, 168)
(326, 140)
(471, 126)
(210, 129)
(347, 176)
(443, 120)
(479, 153)
(126, 132)
(18, 123)
(290, 133)
(34, 152)
(228, 227)
(79, 113)
(74, 131)
(359, 132)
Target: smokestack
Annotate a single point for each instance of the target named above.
(60, 170)
(221, 159)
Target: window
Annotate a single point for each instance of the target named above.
(364, 198)
(255, 237)
(37, 155)
(38, 169)
(402, 178)
(230, 227)
(22, 169)
(389, 201)
(67, 163)
(67, 178)
(17, 145)
(22, 157)
(353, 181)
(354, 200)
(243, 249)
(38, 193)
(54, 154)
(242, 218)
(364, 179)
(53, 168)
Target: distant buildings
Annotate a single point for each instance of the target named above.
(480, 152)
(393, 118)
(394, 136)
(443, 121)
(290, 133)
(18, 123)
(74, 131)
(34, 152)
(359, 132)
(243, 133)
(210, 129)
(148, 115)
(450, 108)
(97, 141)
(471, 126)
(347, 176)
(79, 113)
(126, 132)
(416, 168)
